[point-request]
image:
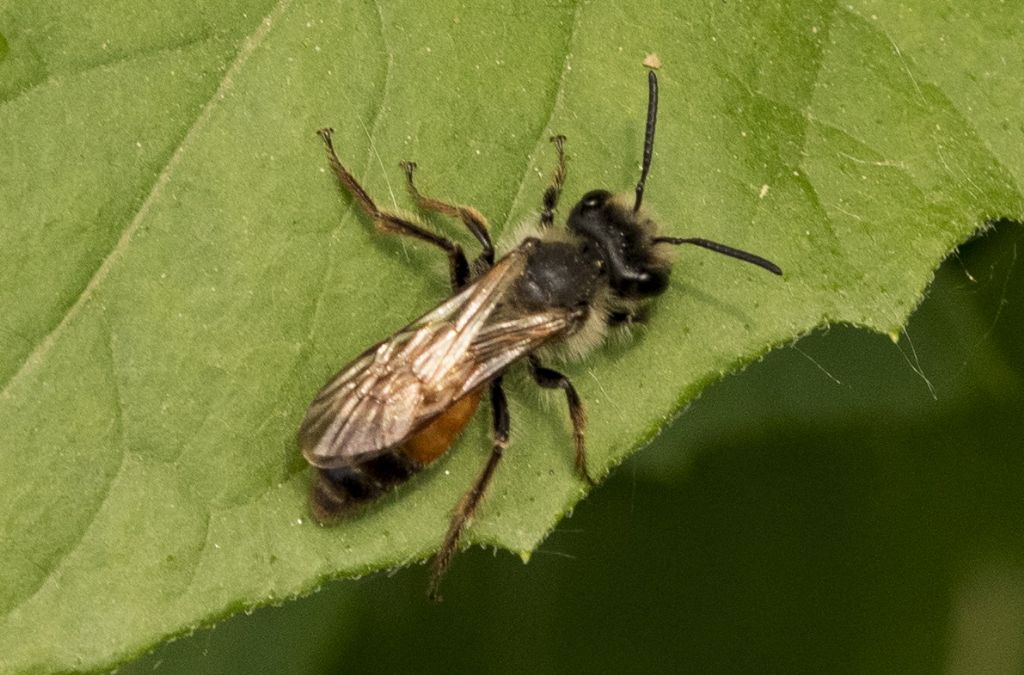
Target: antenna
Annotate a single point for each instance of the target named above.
(724, 250)
(652, 118)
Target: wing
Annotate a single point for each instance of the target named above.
(398, 386)
(501, 343)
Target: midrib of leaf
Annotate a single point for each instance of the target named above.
(115, 60)
(248, 46)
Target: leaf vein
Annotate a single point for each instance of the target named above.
(115, 60)
(556, 104)
(249, 45)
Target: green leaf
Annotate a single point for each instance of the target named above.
(822, 501)
(182, 275)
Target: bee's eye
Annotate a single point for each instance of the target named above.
(594, 200)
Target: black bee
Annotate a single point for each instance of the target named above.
(402, 402)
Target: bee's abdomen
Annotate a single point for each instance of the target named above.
(433, 440)
(340, 490)
(337, 491)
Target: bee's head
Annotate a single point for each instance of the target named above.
(623, 242)
(624, 238)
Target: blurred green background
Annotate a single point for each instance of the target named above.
(848, 504)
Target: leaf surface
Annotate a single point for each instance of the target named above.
(181, 273)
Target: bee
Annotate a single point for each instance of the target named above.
(401, 403)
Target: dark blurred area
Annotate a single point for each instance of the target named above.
(849, 503)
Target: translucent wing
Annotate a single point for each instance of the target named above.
(501, 343)
(398, 386)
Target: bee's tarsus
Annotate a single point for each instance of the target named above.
(553, 191)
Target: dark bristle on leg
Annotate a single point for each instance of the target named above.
(464, 510)
(554, 189)
(458, 266)
(552, 379)
(470, 217)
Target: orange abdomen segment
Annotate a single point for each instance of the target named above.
(431, 441)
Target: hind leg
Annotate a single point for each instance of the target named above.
(467, 506)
